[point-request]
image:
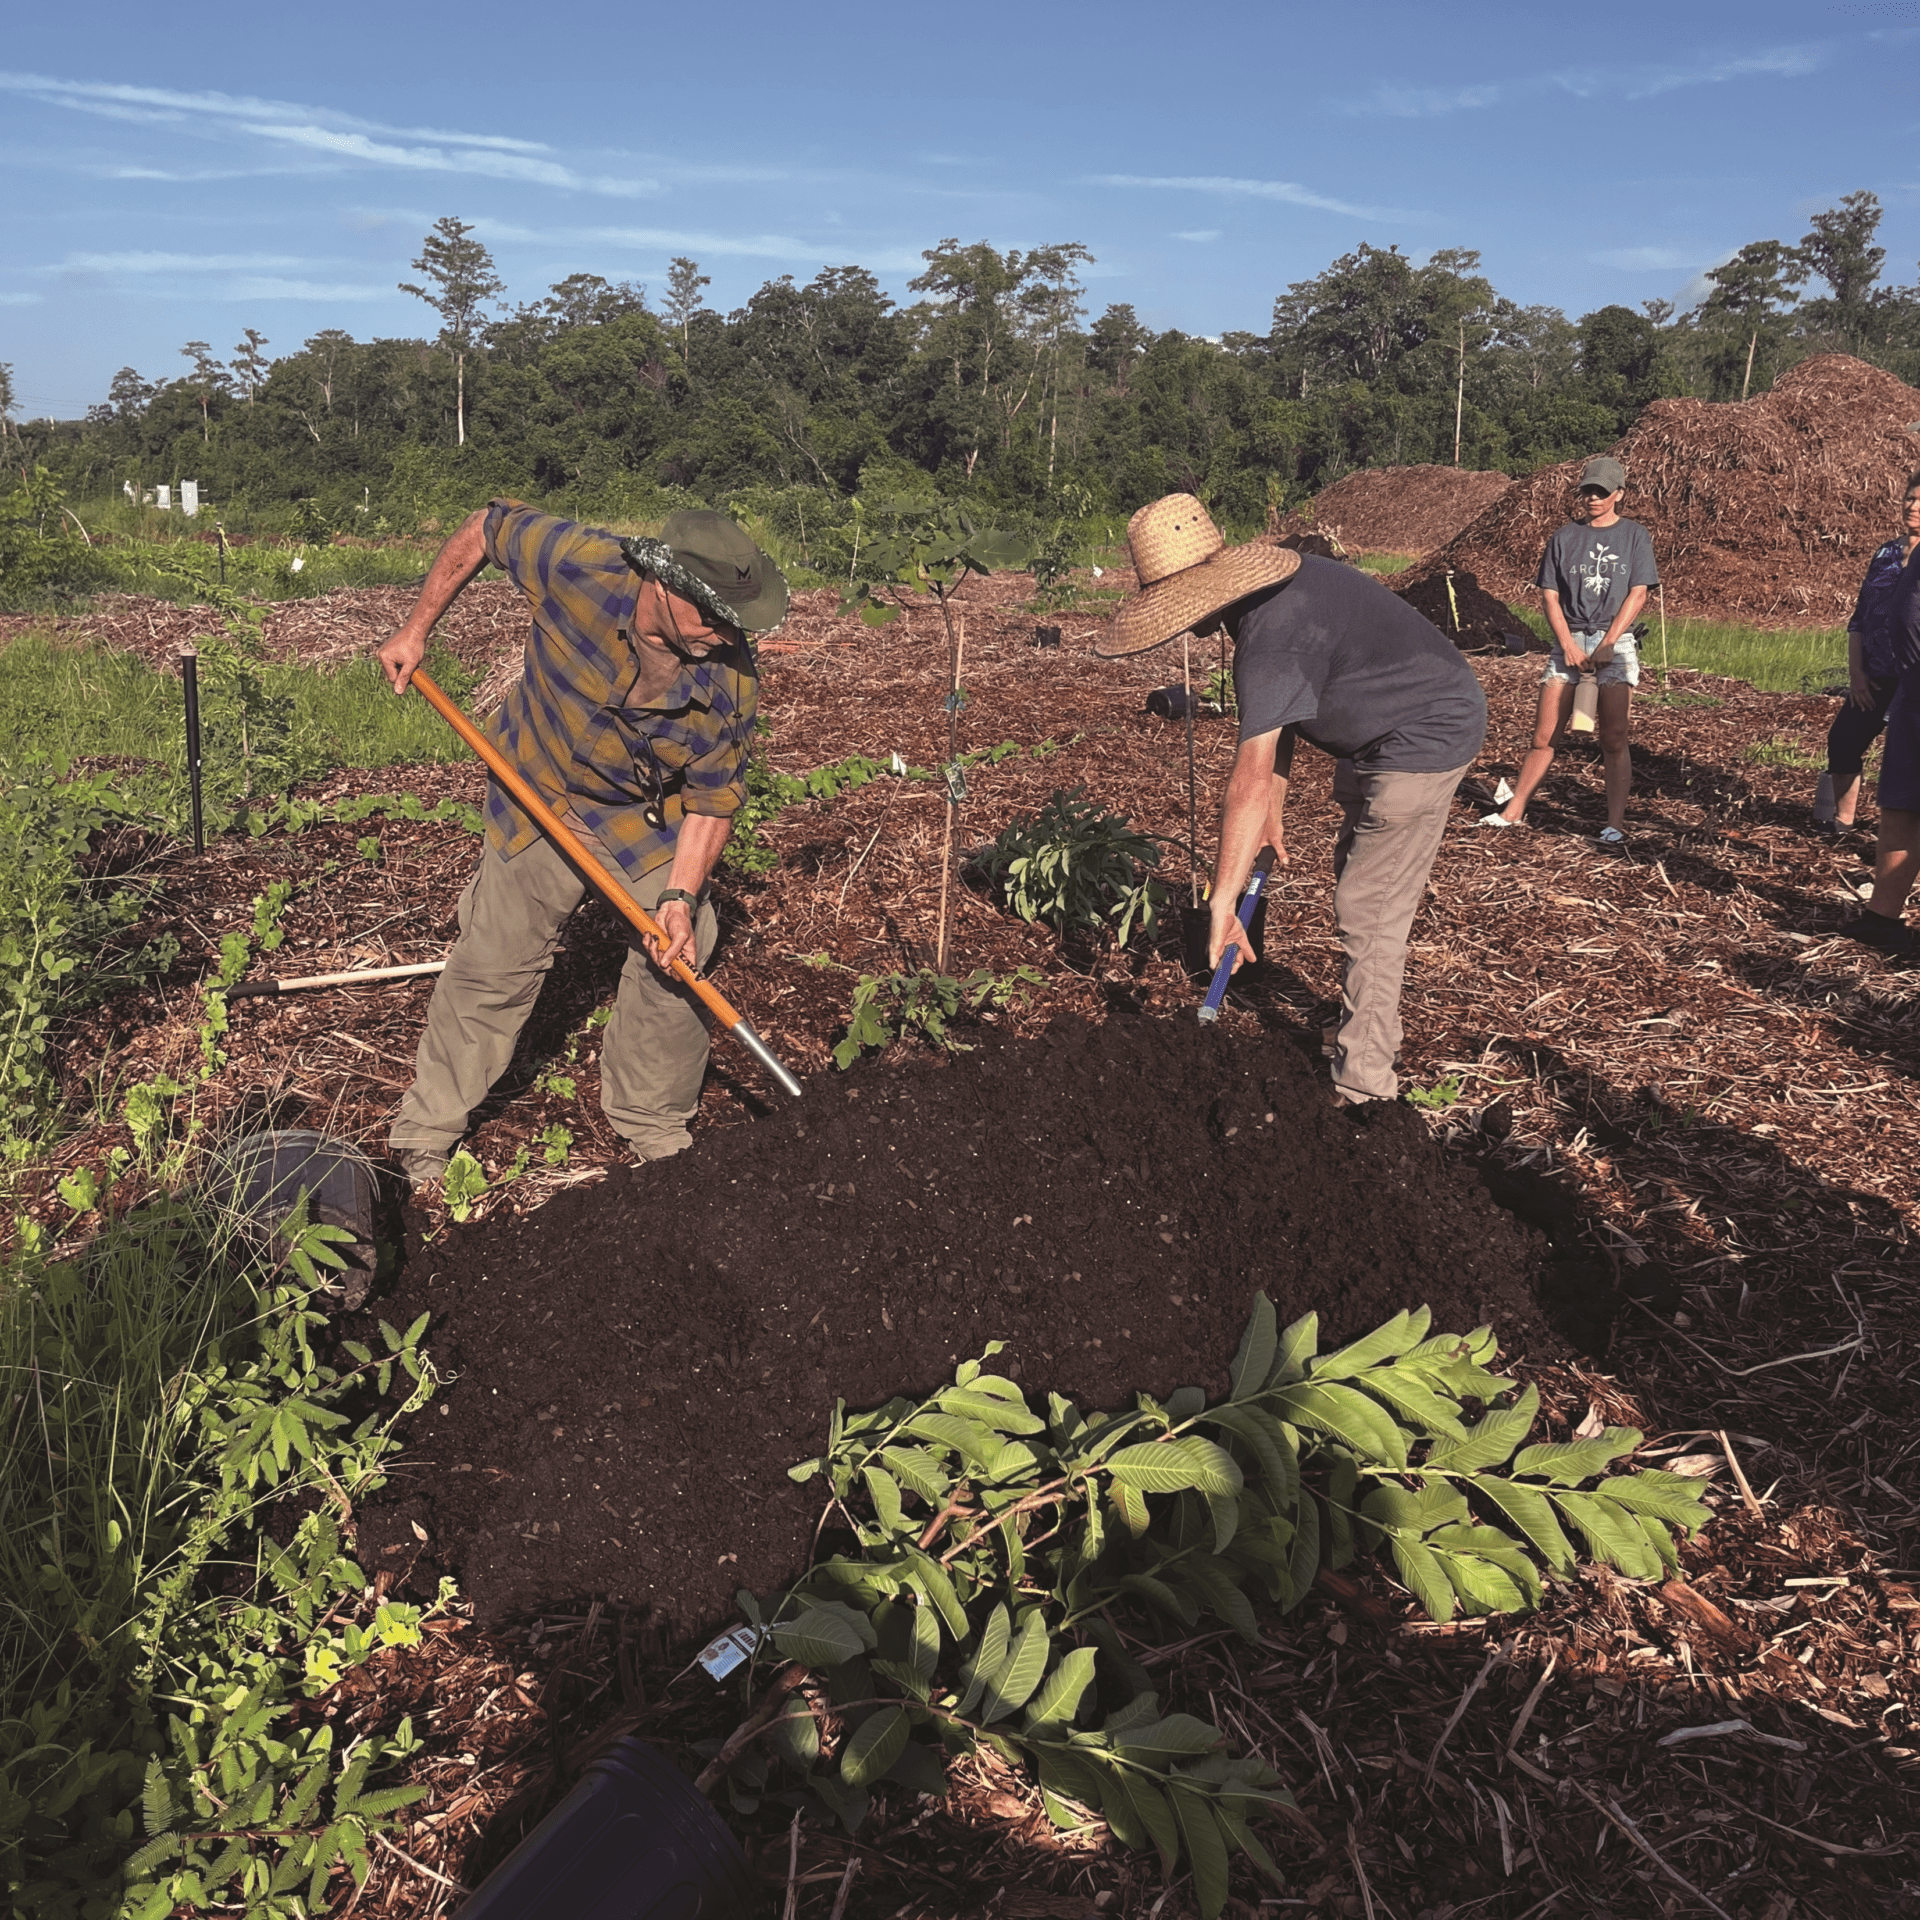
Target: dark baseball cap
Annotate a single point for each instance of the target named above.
(1603, 470)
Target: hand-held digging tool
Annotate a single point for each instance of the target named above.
(1256, 883)
(591, 870)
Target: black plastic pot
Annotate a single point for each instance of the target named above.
(634, 1840)
(1196, 930)
(266, 1174)
(1046, 636)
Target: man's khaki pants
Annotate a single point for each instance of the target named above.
(511, 914)
(1390, 830)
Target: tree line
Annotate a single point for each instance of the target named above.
(992, 384)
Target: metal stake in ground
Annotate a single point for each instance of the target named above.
(1193, 815)
(597, 877)
(1256, 883)
(190, 679)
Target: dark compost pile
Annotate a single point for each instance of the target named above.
(636, 1365)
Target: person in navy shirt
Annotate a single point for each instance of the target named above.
(1871, 674)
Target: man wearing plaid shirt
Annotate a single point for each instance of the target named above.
(632, 721)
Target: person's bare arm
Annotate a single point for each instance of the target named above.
(695, 850)
(453, 566)
(1254, 794)
(1859, 687)
(1277, 796)
(1557, 624)
(1621, 621)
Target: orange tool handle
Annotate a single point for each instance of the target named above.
(593, 870)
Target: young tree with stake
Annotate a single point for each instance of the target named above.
(463, 283)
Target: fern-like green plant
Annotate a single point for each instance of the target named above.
(995, 1545)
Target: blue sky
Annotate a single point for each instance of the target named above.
(169, 174)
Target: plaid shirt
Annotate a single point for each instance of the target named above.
(568, 725)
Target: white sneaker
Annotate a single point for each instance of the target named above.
(1498, 819)
(1612, 837)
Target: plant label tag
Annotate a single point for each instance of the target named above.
(732, 1649)
(956, 781)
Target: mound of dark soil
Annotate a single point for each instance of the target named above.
(1766, 510)
(1401, 509)
(635, 1365)
(1465, 611)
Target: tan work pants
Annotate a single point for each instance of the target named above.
(1390, 827)
(511, 914)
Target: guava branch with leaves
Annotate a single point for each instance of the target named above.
(997, 1549)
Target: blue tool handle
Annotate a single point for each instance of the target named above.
(1217, 992)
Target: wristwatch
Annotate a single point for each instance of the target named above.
(680, 893)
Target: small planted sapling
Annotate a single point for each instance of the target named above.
(1075, 866)
(933, 548)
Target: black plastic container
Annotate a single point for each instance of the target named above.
(634, 1840)
(1196, 934)
(266, 1173)
(1046, 636)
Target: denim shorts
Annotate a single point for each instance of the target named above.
(1623, 670)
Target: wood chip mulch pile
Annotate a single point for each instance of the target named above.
(1763, 512)
(1681, 1036)
(1400, 509)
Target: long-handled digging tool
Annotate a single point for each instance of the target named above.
(597, 876)
(1256, 885)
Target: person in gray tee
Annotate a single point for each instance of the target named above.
(1322, 653)
(1593, 581)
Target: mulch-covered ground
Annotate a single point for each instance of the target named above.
(1401, 509)
(1712, 1104)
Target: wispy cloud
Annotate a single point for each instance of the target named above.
(1645, 258)
(150, 262)
(1394, 100)
(333, 137)
(259, 287)
(760, 246)
(19, 299)
(1199, 234)
(1647, 83)
(1287, 190)
(1419, 103)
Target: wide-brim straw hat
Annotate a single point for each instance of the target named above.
(1186, 573)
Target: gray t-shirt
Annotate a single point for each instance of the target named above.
(1593, 569)
(1358, 672)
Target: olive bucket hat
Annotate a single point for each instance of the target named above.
(1186, 572)
(706, 558)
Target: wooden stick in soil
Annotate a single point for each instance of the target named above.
(1193, 816)
(957, 644)
(248, 989)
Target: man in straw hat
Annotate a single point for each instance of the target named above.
(631, 720)
(1322, 652)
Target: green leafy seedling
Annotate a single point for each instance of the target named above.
(465, 1181)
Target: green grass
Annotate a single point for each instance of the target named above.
(81, 701)
(1384, 562)
(1804, 660)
